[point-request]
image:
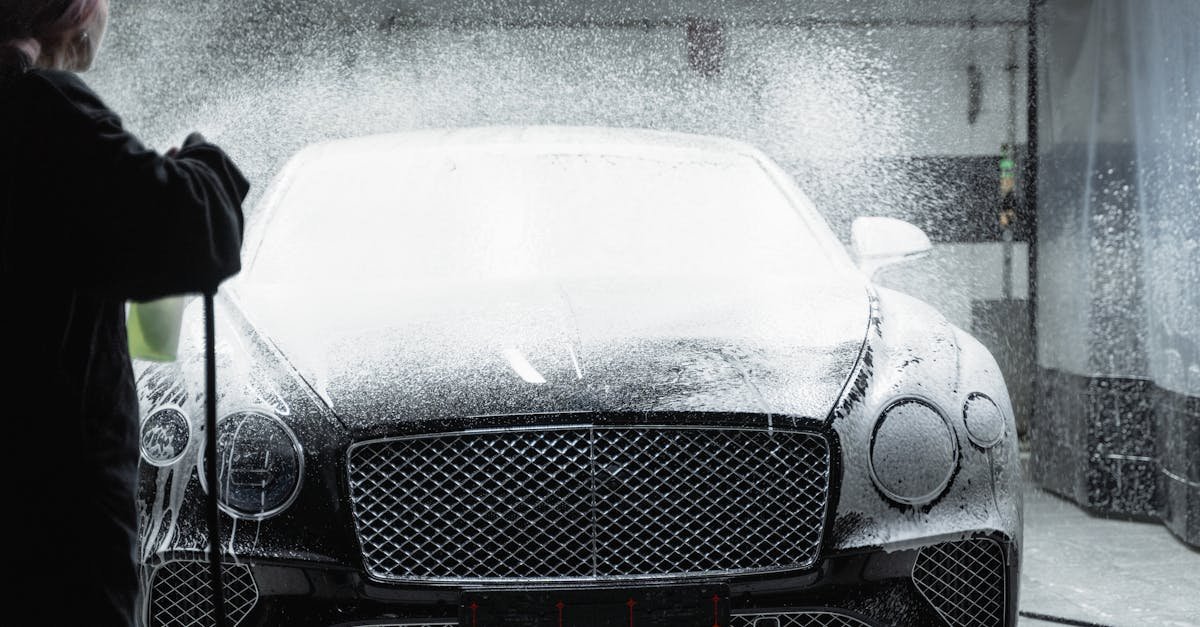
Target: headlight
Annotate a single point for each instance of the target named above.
(259, 465)
(165, 436)
(913, 452)
(985, 422)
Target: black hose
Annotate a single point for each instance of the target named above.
(210, 462)
(1060, 620)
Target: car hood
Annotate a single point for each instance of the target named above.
(381, 356)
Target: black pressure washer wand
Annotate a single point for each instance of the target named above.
(210, 460)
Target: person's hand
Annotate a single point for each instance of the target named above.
(191, 140)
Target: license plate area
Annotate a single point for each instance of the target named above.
(692, 606)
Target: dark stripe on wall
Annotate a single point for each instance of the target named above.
(960, 199)
(952, 198)
(1119, 446)
(1178, 420)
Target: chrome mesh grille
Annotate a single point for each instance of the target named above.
(815, 618)
(963, 581)
(585, 503)
(180, 594)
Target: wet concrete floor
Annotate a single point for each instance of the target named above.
(1105, 571)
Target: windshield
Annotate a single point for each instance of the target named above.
(480, 215)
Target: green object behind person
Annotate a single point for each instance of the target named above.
(153, 328)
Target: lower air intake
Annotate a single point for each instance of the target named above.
(963, 581)
(180, 594)
(433, 622)
(418, 623)
(815, 618)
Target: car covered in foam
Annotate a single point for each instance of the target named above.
(574, 376)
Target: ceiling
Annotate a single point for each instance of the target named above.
(784, 11)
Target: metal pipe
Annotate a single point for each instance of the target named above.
(1010, 143)
(1031, 171)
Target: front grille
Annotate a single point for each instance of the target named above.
(180, 594)
(963, 581)
(588, 503)
(814, 618)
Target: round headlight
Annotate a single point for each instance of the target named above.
(165, 435)
(985, 422)
(913, 452)
(259, 465)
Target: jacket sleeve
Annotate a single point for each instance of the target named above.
(151, 225)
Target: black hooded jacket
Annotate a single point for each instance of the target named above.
(90, 219)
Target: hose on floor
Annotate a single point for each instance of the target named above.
(1049, 618)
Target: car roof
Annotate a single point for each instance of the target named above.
(551, 139)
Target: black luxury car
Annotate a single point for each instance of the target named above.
(576, 377)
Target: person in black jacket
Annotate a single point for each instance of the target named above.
(89, 219)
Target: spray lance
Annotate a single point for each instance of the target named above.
(154, 335)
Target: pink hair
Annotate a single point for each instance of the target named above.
(76, 15)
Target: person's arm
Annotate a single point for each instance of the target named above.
(153, 225)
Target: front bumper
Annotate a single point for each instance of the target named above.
(962, 581)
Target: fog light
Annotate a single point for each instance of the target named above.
(913, 452)
(259, 465)
(985, 421)
(165, 436)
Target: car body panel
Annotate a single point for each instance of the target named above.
(378, 356)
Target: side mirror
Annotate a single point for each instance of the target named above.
(879, 242)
